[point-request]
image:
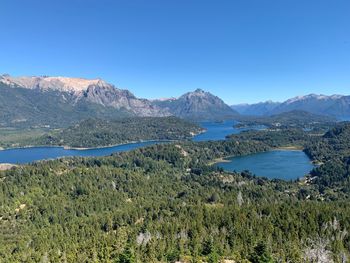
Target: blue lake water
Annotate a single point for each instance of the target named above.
(214, 131)
(285, 165)
(31, 154)
(219, 130)
(281, 164)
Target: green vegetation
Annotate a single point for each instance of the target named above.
(330, 151)
(14, 137)
(165, 203)
(291, 119)
(274, 138)
(98, 133)
(333, 152)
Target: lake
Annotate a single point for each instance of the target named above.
(219, 130)
(214, 131)
(281, 164)
(31, 154)
(285, 165)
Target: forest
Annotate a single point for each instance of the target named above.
(166, 203)
(291, 119)
(99, 132)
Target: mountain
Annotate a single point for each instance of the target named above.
(257, 109)
(61, 101)
(197, 105)
(335, 105)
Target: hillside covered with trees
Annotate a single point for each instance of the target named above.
(290, 119)
(166, 203)
(332, 151)
(99, 132)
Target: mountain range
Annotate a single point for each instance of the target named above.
(335, 105)
(62, 101)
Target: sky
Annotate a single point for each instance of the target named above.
(243, 51)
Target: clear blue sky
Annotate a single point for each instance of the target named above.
(240, 50)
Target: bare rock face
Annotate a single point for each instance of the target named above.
(110, 96)
(64, 84)
(94, 91)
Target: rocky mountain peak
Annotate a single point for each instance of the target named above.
(197, 104)
(63, 84)
(199, 91)
(86, 91)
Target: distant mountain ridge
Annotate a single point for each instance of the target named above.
(257, 109)
(335, 105)
(62, 101)
(198, 104)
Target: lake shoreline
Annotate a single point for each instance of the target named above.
(289, 148)
(61, 152)
(114, 145)
(283, 148)
(214, 131)
(220, 160)
(66, 147)
(288, 163)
